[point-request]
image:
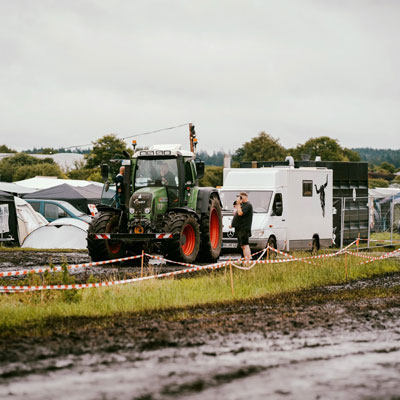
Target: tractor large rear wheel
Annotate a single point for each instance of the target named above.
(105, 249)
(211, 231)
(185, 243)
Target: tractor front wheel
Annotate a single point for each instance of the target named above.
(185, 243)
(104, 249)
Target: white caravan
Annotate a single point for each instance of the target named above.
(292, 207)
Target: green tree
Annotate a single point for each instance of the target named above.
(213, 176)
(10, 165)
(47, 150)
(104, 149)
(388, 167)
(261, 148)
(377, 183)
(325, 147)
(40, 169)
(5, 149)
(81, 173)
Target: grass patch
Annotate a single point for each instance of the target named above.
(24, 309)
(385, 236)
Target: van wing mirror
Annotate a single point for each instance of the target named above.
(105, 170)
(200, 169)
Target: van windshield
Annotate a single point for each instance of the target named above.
(260, 200)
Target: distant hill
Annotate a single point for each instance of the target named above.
(378, 156)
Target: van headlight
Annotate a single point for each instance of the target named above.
(259, 233)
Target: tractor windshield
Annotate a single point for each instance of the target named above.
(156, 172)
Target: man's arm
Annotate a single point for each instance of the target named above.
(243, 209)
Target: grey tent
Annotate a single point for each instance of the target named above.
(91, 192)
(8, 219)
(78, 197)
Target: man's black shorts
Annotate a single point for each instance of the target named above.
(243, 237)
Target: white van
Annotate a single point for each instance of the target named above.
(292, 207)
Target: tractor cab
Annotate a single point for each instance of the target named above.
(167, 172)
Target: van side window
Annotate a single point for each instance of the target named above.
(277, 207)
(51, 211)
(35, 206)
(307, 188)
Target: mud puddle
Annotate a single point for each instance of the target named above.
(309, 365)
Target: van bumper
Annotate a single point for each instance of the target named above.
(231, 244)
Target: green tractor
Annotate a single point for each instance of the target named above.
(162, 209)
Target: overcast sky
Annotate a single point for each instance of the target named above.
(73, 71)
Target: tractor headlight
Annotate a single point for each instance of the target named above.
(147, 210)
(132, 210)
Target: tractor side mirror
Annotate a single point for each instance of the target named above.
(200, 169)
(105, 170)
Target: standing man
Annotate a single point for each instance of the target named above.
(242, 222)
(119, 180)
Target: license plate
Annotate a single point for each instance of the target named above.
(229, 245)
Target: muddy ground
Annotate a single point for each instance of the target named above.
(332, 342)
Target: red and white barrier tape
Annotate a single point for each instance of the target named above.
(54, 269)
(358, 254)
(14, 288)
(382, 257)
(193, 268)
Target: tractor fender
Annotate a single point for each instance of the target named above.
(186, 210)
(103, 207)
(203, 198)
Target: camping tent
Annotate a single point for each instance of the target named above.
(28, 218)
(78, 197)
(15, 189)
(91, 192)
(41, 182)
(8, 219)
(64, 233)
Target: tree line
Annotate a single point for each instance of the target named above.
(263, 147)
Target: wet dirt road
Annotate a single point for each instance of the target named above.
(334, 342)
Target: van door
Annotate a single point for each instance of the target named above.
(277, 221)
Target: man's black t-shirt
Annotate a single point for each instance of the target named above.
(119, 180)
(243, 222)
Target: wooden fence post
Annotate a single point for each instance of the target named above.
(141, 266)
(232, 288)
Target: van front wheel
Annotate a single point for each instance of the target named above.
(271, 243)
(315, 245)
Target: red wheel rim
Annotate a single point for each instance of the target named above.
(214, 229)
(114, 247)
(189, 237)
